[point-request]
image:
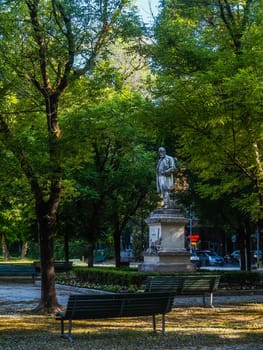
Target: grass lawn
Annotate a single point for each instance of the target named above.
(223, 327)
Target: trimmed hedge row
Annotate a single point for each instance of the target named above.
(127, 277)
(240, 278)
(109, 276)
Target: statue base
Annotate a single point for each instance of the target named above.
(166, 252)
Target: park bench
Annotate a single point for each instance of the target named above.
(11, 271)
(115, 305)
(184, 285)
(60, 266)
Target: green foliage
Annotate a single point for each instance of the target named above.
(111, 167)
(209, 90)
(16, 210)
(47, 46)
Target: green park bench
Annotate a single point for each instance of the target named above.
(184, 285)
(17, 270)
(60, 266)
(115, 305)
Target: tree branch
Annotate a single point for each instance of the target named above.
(101, 39)
(33, 11)
(63, 82)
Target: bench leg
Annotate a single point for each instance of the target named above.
(211, 304)
(62, 327)
(69, 331)
(154, 324)
(211, 299)
(163, 323)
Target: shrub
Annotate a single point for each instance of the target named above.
(109, 276)
(240, 278)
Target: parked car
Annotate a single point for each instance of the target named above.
(127, 255)
(235, 256)
(257, 254)
(200, 258)
(213, 258)
(99, 255)
(194, 258)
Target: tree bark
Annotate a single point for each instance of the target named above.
(5, 248)
(24, 249)
(244, 242)
(90, 249)
(117, 243)
(46, 218)
(66, 247)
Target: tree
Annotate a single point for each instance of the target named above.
(208, 60)
(115, 173)
(47, 45)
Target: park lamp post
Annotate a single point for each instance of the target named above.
(191, 228)
(257, 240)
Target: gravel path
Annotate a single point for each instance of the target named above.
(26, 295)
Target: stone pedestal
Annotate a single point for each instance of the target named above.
(166, 252)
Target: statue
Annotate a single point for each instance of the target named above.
(164, 176)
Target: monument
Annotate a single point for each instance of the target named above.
(166, 251)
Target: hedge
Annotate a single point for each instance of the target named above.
(109, 276)
(127, 277)
(240, 278)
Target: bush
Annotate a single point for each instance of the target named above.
(109, 276)
(113, 279)
(240, 278)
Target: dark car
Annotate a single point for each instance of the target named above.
(257, 254)
(235, 256)
(199, 259)
(214, 258)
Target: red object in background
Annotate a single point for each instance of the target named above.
(195, 238)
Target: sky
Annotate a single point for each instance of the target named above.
(147, 8)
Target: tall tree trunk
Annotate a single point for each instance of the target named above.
(90, 249)
(117, 243)
(66, 247)
(46, 211)
(46, 228)
(5, 248)
(244, 248)
(24, 249)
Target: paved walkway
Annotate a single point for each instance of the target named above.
(17, 296)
